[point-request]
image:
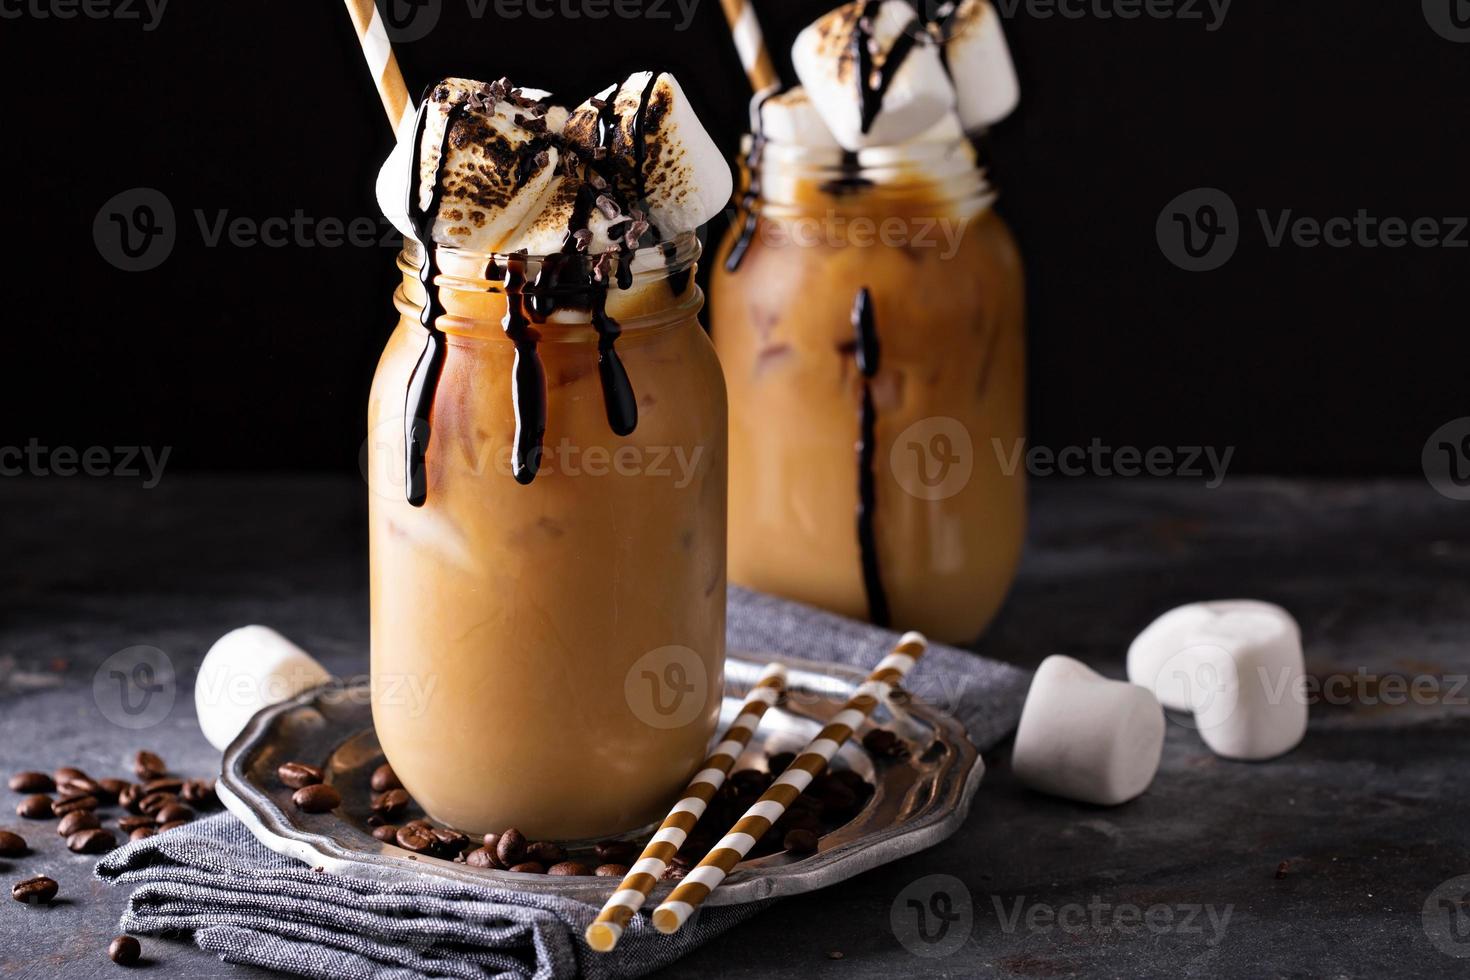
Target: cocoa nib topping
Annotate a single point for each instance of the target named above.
(597, 103)
(602, 267)
(534, 123)
(608, 207)
(499, 89)
(635, 233)
(583, 238)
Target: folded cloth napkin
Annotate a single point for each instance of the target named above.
(250, 905)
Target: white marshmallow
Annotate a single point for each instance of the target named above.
(986, 87)
(492, 182)
(791, 118)
(825, 60)
(1085, 737)
(686, 179)
(1237, 665)
(246, 670)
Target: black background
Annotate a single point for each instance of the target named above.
(1331, 361)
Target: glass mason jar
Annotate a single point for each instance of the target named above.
(549, 655)
(868, 311)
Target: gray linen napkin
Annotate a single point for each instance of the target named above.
(248, 904)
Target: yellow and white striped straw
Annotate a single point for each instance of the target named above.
(750, 43)
(605, 931)
(378, 51)
(721, 860)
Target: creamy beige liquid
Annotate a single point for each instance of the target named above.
(520, 633)
(948, 396)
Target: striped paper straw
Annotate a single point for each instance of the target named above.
(605, 931)
(750, 43)
(720, 861)
(378, 51)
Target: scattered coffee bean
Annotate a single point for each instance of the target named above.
(835, 954)
(800, 842)
(1282, 869)
(174, 813)
(481, 857)
(12, 845)
(39, 890)
(375, 820)
(611, 870)
(199, 793)
(298, 775)
(31, 782)
(130, 797)
(317, 798)
(387, 833)
(148, 765)
(72, 802)
(384, 779)
(66, 774)
(569, 869)
(172, 825)
(92, 841)
(511, 848)
(37, 807)
(547, 852)
(420, 822)
(416, 838)
(131, 823)
(779, 762)
(166, 784)
(124, 951)
(449, 841)
(490, 840)
(80, 820)
(529, 868)
(81, 786)
(392, 803)
(108, 790)
(154, 802)
(616, 852)
(141, 833)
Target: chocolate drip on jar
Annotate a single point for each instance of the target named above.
(528, 376)
(751, 197)
(867, 354)
(871, 90)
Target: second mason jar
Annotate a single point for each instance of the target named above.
(548, 654)
(868, 312)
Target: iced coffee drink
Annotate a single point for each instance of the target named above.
(547, 458)
(867, 307)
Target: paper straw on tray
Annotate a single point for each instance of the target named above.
(378, 51)
(603, 934)
(721, 860)
(750, 43)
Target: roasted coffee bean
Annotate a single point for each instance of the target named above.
(420, 822)
(384, 779)
(78, 821)
(199, 793)
(490, 840)
(481, 857)
(547, 852)
(39, 890)
(31, 782)
(392, 803)
(611, 870)
(387, 833)
(125, 951)
(72, 802)
(12, 845)
(154, 802)
(881, 742)
(416, 839)
(569, 869)
(173, 813)
(616, 852)
(167, 784)
(92, 841)
(141, 833)
(81, 786)
(172, 825)
(375, 820)
(66, 774)
(800, 842)
(780, 762)
(859, 786)
(751, 781)
(108, 790)
(529, 868)
(130, 797)
(318, 798)
(148, 766)
(449, 842)
(37, 807)
(837, 799)
(298, 775)
(129, 824)
(511, 848)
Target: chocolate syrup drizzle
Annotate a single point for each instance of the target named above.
(567, 279)
(867, 354)
(872, 91)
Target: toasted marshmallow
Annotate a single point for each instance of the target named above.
(500, 167)
(545, 231)
(685, 180)
(791, 118)
(826, 59)
(985, 84)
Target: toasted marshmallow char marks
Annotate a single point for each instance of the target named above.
(986, 88)
(874, 71)
(790, 117)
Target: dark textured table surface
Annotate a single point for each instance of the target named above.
(1366, 820)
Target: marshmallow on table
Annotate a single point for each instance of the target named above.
(986, 88)
(919, 94)
(1085, 737)
(246, 670)
(1237, 665)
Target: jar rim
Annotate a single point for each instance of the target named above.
(461, 268)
